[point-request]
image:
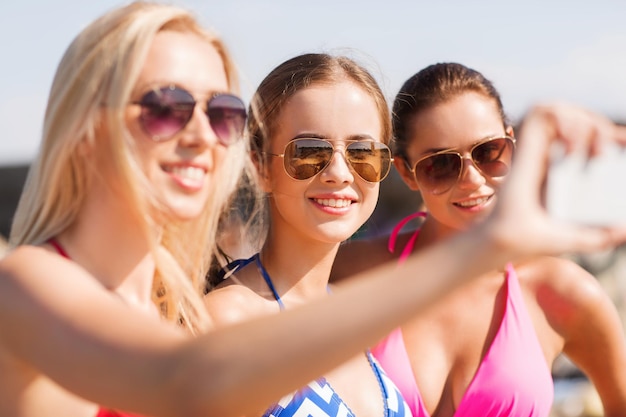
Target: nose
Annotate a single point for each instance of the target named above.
(338, 169)
(470, 177)
(198, 132)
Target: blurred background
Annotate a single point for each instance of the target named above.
(532, 50)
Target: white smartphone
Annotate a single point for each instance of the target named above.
(588, 191)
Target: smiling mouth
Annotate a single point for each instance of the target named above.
(189, 173)
(333, 202)
(473, 202)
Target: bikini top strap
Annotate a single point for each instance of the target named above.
(268, 280)
(231, 267)
(56, 245)
(396, 231)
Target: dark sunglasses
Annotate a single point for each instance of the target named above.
(167, 110)
(439, 171)
(304, 158)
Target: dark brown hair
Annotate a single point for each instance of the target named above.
(434, 85)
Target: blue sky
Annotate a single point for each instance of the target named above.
(532, 50)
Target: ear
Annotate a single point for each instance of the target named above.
(405, 173)
(262, 169)
(509, 131)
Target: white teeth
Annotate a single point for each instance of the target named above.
(473, 202)
(191, 173)
(332, 202)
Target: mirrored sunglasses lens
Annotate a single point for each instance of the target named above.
(439, 172)
(370, 160)
(304, 158)
(494, 157)
(227, 116)
(166, 111)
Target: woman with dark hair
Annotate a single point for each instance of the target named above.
(485, 349)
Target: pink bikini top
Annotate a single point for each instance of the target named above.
(512, 380)
(110, 413)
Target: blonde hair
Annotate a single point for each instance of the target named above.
(101, 66)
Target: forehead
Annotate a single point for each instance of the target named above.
(455, 123)
(336, 111)
(184, 59)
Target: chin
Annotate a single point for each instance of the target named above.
(184, 210)
(338, 235)
(184, 207)
(187, 214)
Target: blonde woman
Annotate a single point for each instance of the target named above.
(101, 292)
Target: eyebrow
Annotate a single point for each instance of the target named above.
(156, 85)
(357, 137)
(484, 138)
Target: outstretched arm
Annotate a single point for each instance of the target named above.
(100, 349)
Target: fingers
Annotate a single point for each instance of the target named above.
(582, 239)
(520, 210)
(575, 127)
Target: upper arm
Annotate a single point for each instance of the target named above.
(57, 319)
(592, 332)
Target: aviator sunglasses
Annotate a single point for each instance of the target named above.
(165, 111)
(304, 158)
(439, 171)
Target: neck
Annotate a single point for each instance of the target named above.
(432, 231)
(108, 240)
(299, 267)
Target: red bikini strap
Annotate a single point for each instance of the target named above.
(58, 247)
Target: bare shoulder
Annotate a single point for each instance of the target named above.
(565, 291)
(559, 273)
(15, 257)
(50, 296)
(232, 302)
(359, 255)
(30, 266)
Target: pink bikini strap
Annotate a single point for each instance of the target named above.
(396, 230)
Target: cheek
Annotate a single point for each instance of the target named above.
(146, 154)
(221, 160)
(277, 179)
(496, 183)
(433, 201)
(370, 197)
(133, 124)
(144, 147)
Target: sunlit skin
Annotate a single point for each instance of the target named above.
(570, 311)
(339, 113)
(181, 168)
(306, 227)
(456, 124)
(174, 58)
(84, 334)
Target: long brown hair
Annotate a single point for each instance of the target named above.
(435, 84)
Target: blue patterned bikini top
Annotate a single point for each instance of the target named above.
(318, 398)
